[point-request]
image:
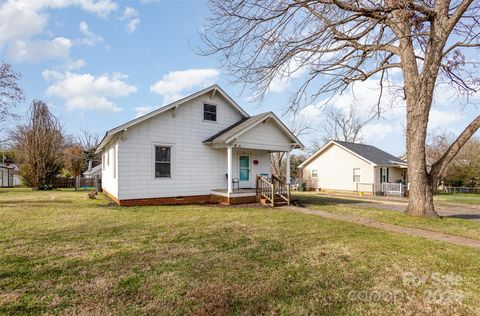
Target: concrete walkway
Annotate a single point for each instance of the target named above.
(462, 211)
(390, 227)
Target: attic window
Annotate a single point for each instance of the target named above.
(209, 112)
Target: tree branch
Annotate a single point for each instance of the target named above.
(439, 167)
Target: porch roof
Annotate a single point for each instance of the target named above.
(234, 131)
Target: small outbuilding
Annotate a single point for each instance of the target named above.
(7, 174)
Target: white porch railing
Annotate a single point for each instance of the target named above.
(394, 188)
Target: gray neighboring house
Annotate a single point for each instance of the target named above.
(352, 167)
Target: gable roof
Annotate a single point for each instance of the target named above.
(94, 170)
(371, 154)
(213, 89)
(234, 131)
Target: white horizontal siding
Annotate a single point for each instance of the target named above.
(265, 135)
(335, 170)
(109, 182)
(263, 166)
(196, 167)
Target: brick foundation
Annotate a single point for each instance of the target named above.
(233, 200)
(192, 199)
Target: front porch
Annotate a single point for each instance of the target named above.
(237, 196)
(247, 147)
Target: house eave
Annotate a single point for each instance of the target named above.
(214, 88)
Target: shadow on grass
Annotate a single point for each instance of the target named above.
(33, 203)
(324, 200)
(465, 216)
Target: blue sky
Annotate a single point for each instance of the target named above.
(99, 63)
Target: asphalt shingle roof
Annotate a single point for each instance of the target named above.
(372, 153)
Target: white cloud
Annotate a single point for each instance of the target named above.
(74, 64)
(374, 132)
(312, 111)
(142, 110)
(131, 15)
(439, 118)
(175, 83)
(21, 21)
(86, 92)
(91, 38)
(293, 70)
(34, 51)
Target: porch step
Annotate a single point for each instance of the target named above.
(278, 202)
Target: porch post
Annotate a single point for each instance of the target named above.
(229, 169)
(287, 164)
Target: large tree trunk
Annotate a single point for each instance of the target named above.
(421, 182)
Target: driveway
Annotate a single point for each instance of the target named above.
(469, 212)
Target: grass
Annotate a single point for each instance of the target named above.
(452, 226)
(64, 254)
(458, 198)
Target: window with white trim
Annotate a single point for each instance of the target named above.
(314, 173)
(114, 163)
(103, 162)
(209, 112)
(356, 174)
(163, 162)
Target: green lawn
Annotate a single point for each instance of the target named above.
(459, 198)
(452, 226)
(64, 254)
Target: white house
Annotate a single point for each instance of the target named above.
(200, 149)
(9, 176)
(93, 172)
(351, 167)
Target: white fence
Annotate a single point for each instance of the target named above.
(398, 189)
(473, 190)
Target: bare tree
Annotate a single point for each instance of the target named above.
(464, 170)
(10, 92)
(89, 142)
(438, 142)
(343, 125)
(339, 42)
(40, 141)
(88, 139)
(73, 159)
(299, 125)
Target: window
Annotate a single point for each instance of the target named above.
(314, 173)
(108, 158)
(210, 112)
(384, 175)
(163, 163)
(103, 161)
(114, 163)
(356, 174)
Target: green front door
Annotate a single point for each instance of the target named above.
(244, 168)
